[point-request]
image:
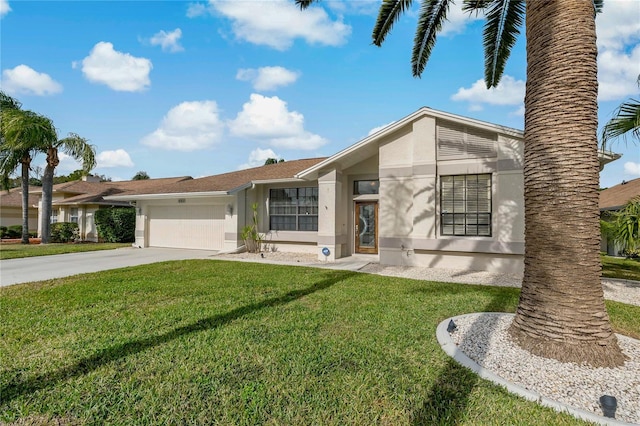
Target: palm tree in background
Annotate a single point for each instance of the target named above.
(22, 134)
(626, 120)
(76, 147)
(561, 312)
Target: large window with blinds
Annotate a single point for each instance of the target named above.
(465, 205)
(293, 209)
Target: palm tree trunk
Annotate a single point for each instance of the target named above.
(47, 193)
(26, 162)
(561, 313)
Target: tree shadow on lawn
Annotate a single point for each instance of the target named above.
(83, 366)
(447, 400)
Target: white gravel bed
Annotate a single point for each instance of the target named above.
(484, 338)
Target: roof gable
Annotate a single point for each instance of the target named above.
(617, 196)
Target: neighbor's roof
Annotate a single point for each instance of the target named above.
(13, 198)
(226, 183)
(616, 197)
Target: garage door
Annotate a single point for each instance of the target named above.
(192, 227)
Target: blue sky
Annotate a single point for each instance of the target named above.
(199, 88)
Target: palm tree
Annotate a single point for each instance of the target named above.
(626, 120)
(22, 134)
(78, 148)
(561, 312)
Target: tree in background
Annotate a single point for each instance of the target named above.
(558, 315)
(273, 161)
(22, 134)
(141, 175)
(626, 121)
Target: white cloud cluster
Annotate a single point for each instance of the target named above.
(120, 71)
(188, 126)
(115, 158)
(618, 30)
(196, 9)
(268, 119)
(457, 20)
(509, 92)
(4, 7)
(169, 41)
(632, 168)
(377, 129)
(268, 78)
(25, 80)
(257, 157)
(278, 23)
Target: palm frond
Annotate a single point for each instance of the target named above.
(303, 4)
(80, 149)
(504, 18)
(7, 102)
(26, 130)
(626, 121)
(475, 5)
(389, 13)
(432, 14)
(597, 5)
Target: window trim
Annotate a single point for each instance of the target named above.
(464, 214)
(77, 215)
(297, 207)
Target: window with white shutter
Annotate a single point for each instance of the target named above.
(457, 141)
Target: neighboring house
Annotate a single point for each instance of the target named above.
(11, 207)
(78, 200)
(432, 189)
(614, 199)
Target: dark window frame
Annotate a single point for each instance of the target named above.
(464, 222)
(373, 183)
(299, 214)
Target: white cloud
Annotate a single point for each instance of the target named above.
(350, 7)
(257, 157)
(24, 79)
(278, 23)
(196, 9)
(618, 30)
(117, 158)
(377, 129)
(632, 168)
(268, 119)
(268, 78)
(457, 20)
(509, 92)
(170, 41)
(120, 71)
(188, 126)
(4, 7)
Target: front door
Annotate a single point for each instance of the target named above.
(366, 222)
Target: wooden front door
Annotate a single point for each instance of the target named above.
(366, 227)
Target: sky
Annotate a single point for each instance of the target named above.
(197, 88)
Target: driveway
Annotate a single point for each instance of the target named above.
(39, 268)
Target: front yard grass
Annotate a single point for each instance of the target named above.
(619, 267)
(17, 250)
(213, 342)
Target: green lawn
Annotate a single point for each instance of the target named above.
(16, 250)
(212, 342)
(618, 267)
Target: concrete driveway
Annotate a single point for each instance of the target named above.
(39, 268)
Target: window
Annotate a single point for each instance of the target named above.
(293, 209)
(365, 187)
(54, 215)
(73, 215)
(465, 205)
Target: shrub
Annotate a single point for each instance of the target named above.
(3, 231)
(116, 224)
(14, 231)
(64, 232)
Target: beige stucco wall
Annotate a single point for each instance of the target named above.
(408, 168)
(10, 216)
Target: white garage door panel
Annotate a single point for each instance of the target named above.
(193, 227)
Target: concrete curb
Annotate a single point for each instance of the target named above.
(451, 349)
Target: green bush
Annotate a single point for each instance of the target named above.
(14, 231)
(3, 231)
(116, 224)
(64, 232)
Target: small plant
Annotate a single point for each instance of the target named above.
(14, 231)
(64, 232)
(3, 231)
(252, 238)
